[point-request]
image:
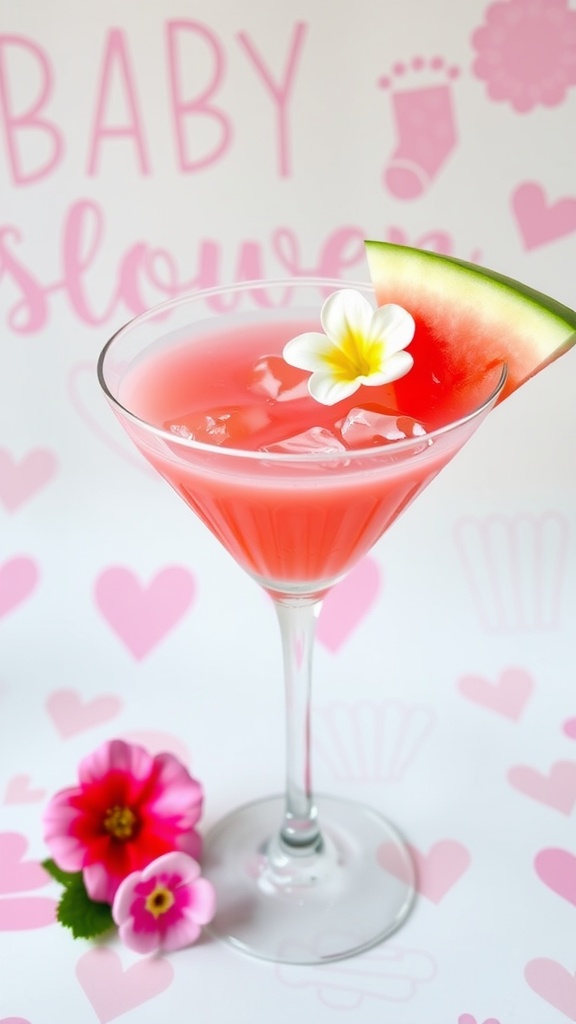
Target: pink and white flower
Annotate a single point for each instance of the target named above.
(164, 906)
(128, 809)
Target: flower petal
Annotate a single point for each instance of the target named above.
(346, 311)
(174, 863)
(115, 755)
(203, 904)
(393, 324)
(359, 347)
(124, 897)
(376, 379)
(306, 351)
(67, 851)
(182, 933)
(138, 940)
(180, 926)
(59, 817)
(396, 366)
(160, 796)
(100, 884)
(327, 390)
(176, 792)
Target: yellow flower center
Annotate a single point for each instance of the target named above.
(159, 901)
(120, 822)
(355, 356)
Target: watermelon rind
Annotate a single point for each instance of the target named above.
(486, 315)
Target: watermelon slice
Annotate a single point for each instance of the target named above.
(469, 320)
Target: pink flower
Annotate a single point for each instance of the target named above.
(163, 906)
(527, 52)
(128, 809)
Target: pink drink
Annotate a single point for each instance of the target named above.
(297, 491)
(290, 522)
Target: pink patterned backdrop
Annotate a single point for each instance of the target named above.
(150, 149)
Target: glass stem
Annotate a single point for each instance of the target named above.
(297, 617)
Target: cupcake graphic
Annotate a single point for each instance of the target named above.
(514, 568)
(369, 741)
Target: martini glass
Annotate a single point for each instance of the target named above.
(297, 877)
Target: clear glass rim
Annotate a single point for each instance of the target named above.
(279, 458)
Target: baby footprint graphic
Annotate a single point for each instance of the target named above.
(425, 123)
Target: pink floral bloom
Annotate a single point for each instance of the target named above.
(128, 809)
(164, 906)
(527, 52)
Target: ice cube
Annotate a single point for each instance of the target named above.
(230, 425)
(314, 440)
(368, 427)
(181, 431)
(275, 378)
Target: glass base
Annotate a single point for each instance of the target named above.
(307, 907)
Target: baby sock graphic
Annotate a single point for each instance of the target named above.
(425, 125)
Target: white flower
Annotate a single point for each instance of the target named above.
(360, 346)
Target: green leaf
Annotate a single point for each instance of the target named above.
(64, 877)
(83, 916)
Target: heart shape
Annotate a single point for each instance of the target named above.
(538, 221)
(507, 696)
(14, 1020)
(142, 616)
(18, 579)
(569, 728)
(19, 791)
(72, 715)
(436, 871)
(18, 875)
(19, 481)
(467, 1018)
(557, 869)
(113, 991)
(553, 983)
(347, 604)
(25, 913)
(558, 789)
(87, 400)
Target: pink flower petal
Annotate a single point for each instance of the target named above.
(139, 941)
(115, 755)
(58, 818)
(176, 792)
(181, 934)
(163, 803)
(100, 886)
(180, 864)
(203, 904)
(66, 851)
(179, 926)
(124, 897)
